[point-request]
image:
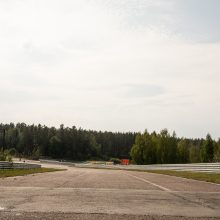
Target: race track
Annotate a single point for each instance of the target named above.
(81, 193)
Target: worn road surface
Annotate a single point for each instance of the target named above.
(80, 193)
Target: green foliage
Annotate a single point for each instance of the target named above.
(207, 151)
(154, 148)
(166, 148)
(115, 160)
(12, 152)
(145, 149)
(183, 151)
(35, 154)
(208, 177)
(22, 172)
(33, 141)
(5, 155)
(216, 157)
(194, 153)
(137, 150)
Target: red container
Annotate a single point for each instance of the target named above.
(125, 161)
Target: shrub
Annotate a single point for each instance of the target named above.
(115, 160)
(5, 155)
(12, 152)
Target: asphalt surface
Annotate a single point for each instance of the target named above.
(81, 193)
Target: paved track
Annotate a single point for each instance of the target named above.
(81, 193)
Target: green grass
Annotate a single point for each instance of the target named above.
(22, 172)
(208, 177)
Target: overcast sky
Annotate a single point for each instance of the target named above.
(119, 65)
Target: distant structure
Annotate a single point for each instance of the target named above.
(125, 161)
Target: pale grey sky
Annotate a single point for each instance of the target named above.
(119, 65)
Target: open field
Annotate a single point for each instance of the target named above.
(78, 193)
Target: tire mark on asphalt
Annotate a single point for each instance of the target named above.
(80, 175)
(184, 198)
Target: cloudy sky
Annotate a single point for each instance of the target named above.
(119, 65)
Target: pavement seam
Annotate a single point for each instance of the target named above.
(192, 201)
(80, 175)
(173, 193)
(98, 189)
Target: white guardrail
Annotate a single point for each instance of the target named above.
(196, 167)
(11, 165)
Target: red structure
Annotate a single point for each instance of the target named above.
(125, 161)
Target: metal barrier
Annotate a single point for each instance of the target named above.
(196, 167)
(6, 165)
(10, 165)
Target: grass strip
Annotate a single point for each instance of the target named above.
(22, 172)
(207, 177)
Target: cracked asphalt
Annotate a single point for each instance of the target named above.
(81, 193)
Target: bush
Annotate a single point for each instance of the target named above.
(12, 152)
(115, 160)
(35, 154)
(5, 155)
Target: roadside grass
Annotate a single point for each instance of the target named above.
(207, 177)
(23, 172)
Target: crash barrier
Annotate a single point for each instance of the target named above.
(61, 162)
(196, 167)
(10, 165)
(96, 162)
(6, 165)
(109, 163)
(200, 167)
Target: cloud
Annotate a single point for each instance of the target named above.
(193, 20)
(21, 96)
(198, 20)
(143, 90)
(115, 65)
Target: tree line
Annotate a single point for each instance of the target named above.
(33, 141)
(163, 147)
